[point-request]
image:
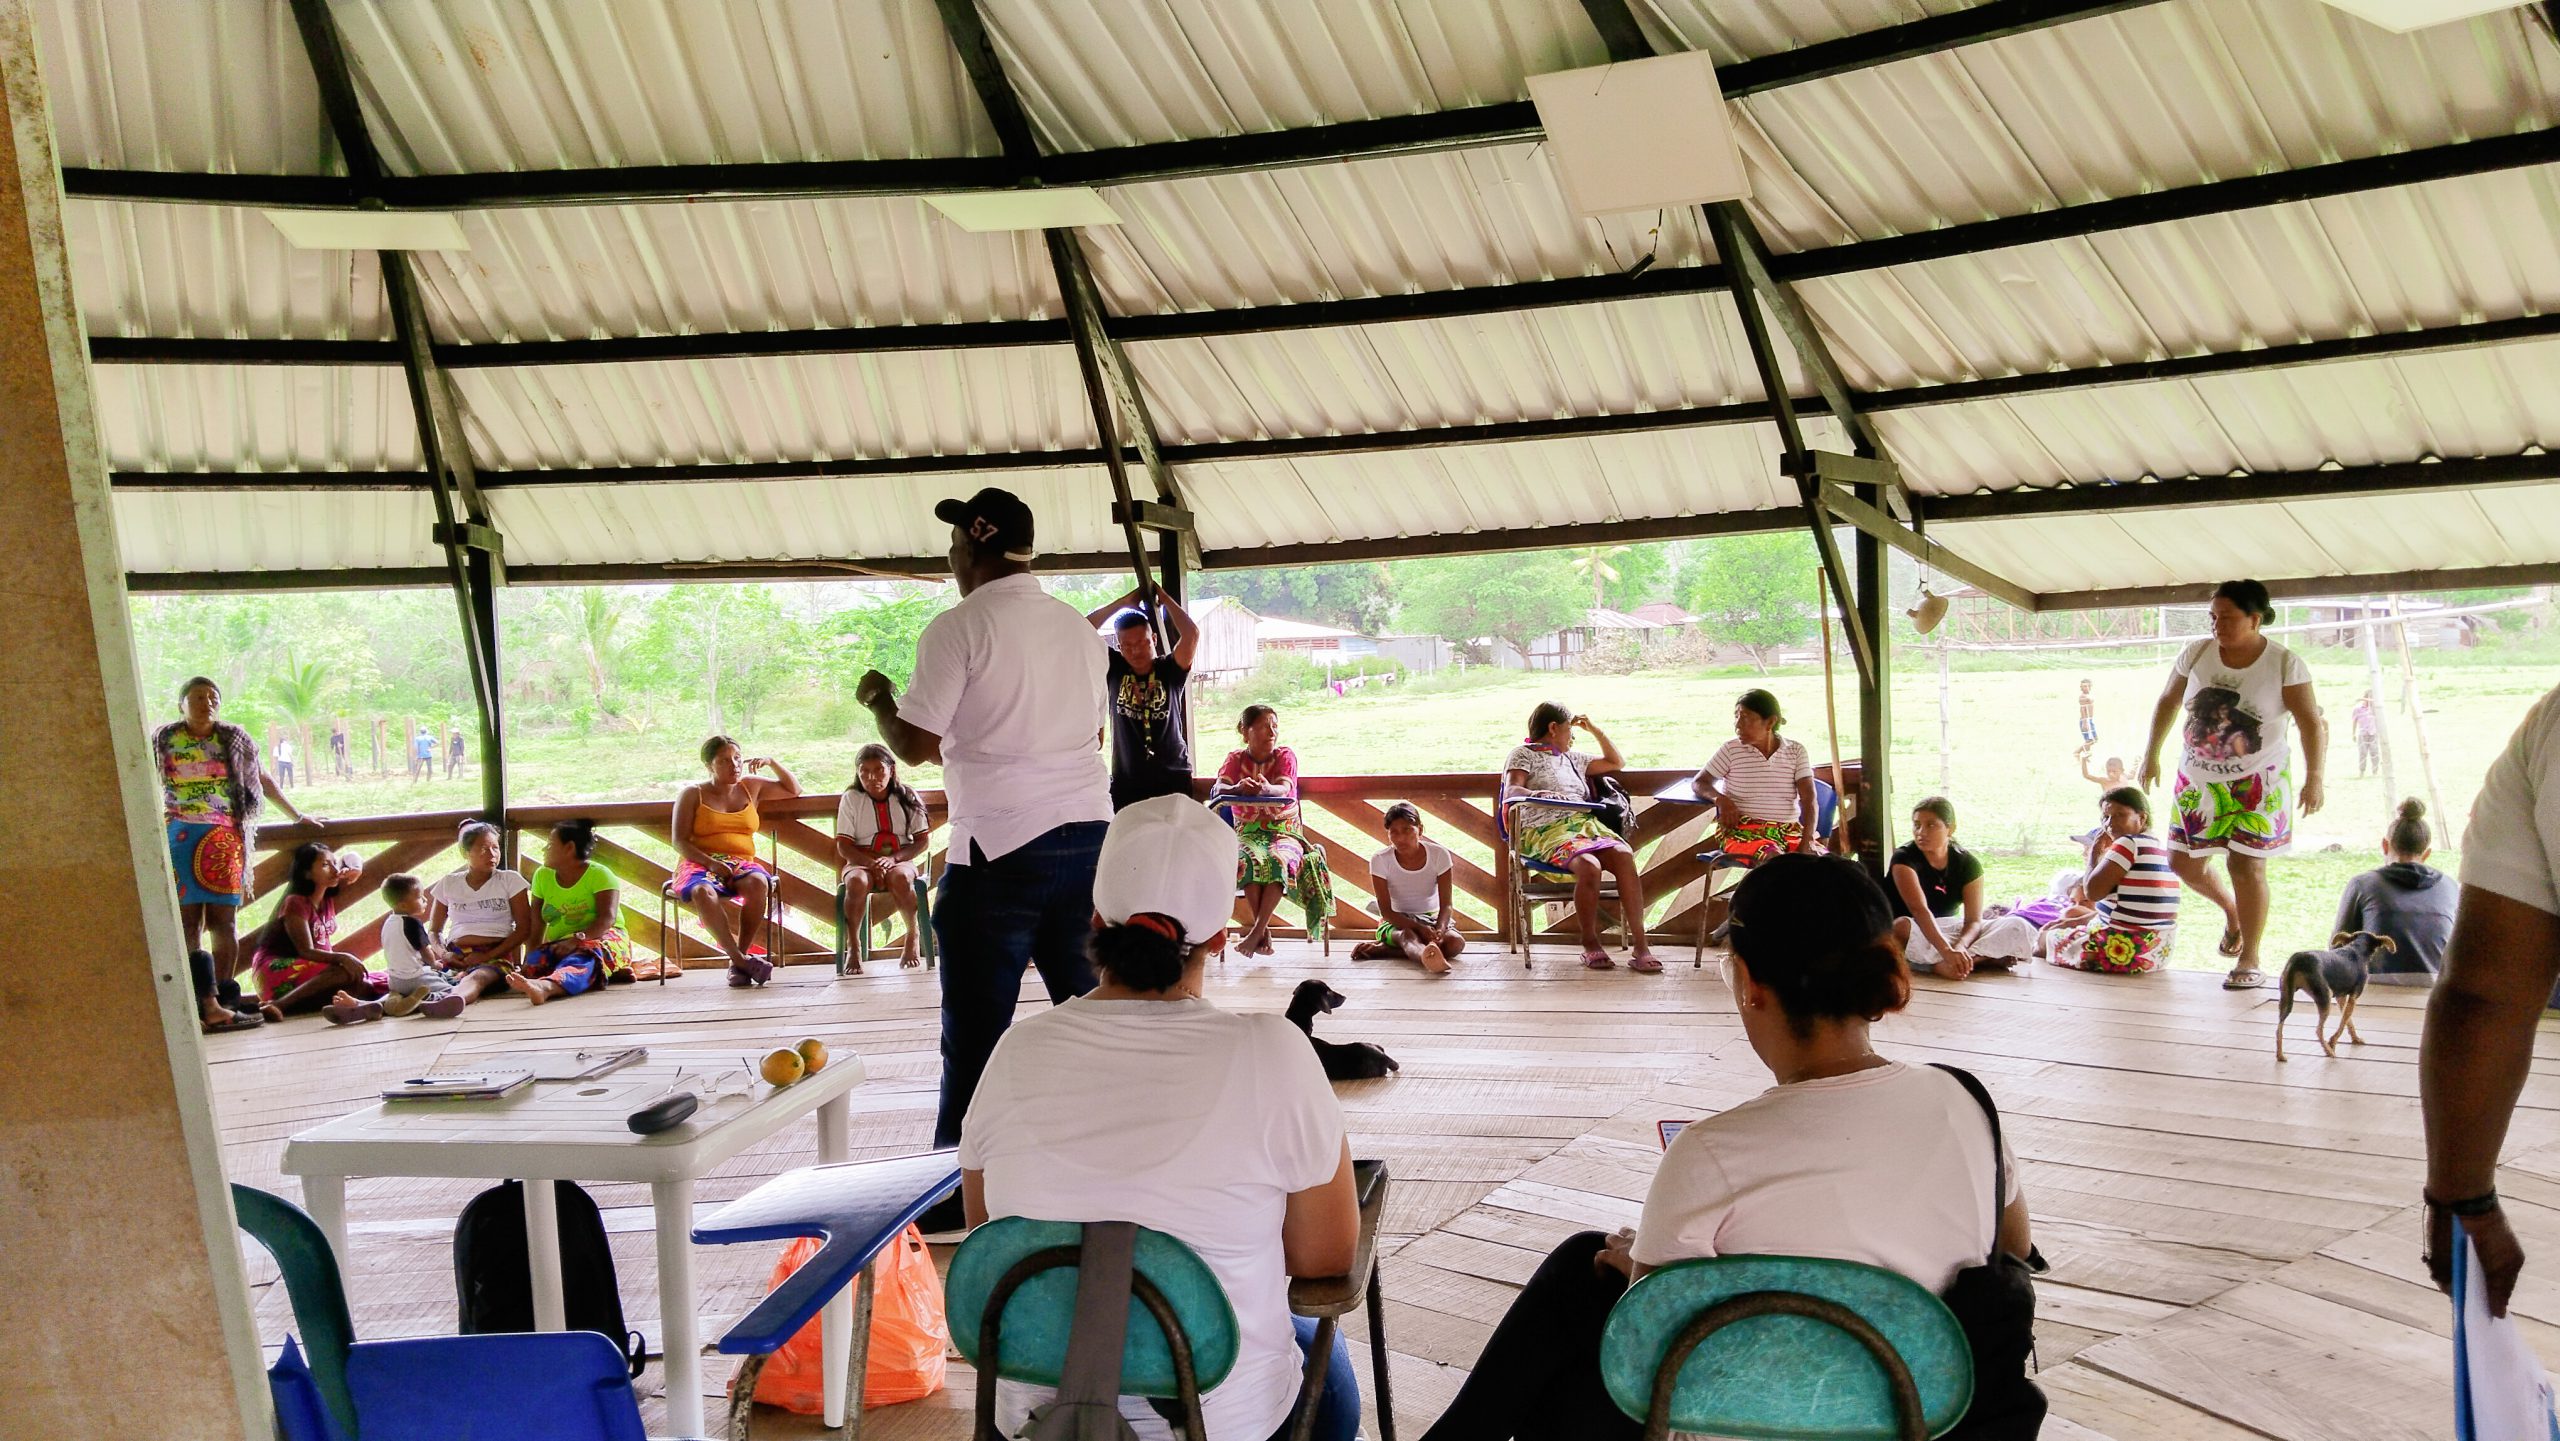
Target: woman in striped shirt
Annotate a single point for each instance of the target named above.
(2134, 890)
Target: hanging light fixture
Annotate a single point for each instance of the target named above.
(1931, 610)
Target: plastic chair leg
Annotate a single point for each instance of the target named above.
(742, 1386)
(924, 922)
(844, 942)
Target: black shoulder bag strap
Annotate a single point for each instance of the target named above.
(1999, 1160)
(1995, 1303)
(1087, 1407)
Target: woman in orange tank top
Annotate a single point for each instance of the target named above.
(714, 827)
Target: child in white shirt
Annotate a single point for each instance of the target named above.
(1412, 880)
(413, 960)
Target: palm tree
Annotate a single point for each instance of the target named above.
(300, 691)
(1594, 563)
(597, 615)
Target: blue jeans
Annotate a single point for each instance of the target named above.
(1338, 1408)
(1029, 906)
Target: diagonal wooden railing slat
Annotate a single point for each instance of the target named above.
(1346, 814)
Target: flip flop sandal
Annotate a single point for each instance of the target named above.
(1645, 965)
(2244, 980)
(1598, 961)
(236, 1022)
(2230, 945)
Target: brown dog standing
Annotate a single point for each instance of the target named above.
(2336, 973)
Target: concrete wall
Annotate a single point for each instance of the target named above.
(124, 1318)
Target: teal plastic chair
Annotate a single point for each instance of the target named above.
(312, 1284)
(1011, 1297)
(1786, 1348)
(853, 935)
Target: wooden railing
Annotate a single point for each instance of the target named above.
(1346, 814)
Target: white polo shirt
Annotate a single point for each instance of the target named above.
(1011, 680)
(2512, 845)
(1764, 786)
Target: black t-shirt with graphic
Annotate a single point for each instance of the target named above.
(1150, 718)
(1942, 889)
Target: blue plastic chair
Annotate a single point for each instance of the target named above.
(1534, 882)
(1826, 812)
(1011, 1297)
(1786, 1348)
(859, 1208)
(559, 1385)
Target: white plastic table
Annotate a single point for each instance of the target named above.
(577, 1131)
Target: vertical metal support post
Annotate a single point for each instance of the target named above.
(1875, 709)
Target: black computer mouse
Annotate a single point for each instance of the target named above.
(664, 1115)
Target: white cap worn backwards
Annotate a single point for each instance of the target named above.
(1173, 857)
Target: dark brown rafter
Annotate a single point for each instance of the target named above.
(473, 562)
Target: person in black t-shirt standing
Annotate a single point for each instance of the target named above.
(1150, 704)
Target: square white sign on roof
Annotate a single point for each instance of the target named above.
(1640, 134)
(370, 229)
(1056, 207)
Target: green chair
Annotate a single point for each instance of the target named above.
(312, 1284)
(1011, 1297)
(1786, 1348)
(853, 938)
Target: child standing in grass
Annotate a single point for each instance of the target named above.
(1412, 880)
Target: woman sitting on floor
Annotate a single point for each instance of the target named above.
(1929, 882)
(484, 915)
(1793, 1172)
(880, 835)
(1275, 859)
(1412, 880)
(2406, 899)
(1142, 1102)
(1576, 842)
(582, 941)
(297, 965)
(715, 826)
(2133, 890)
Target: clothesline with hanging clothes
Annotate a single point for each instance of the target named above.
(2437, 613)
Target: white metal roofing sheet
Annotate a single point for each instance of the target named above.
(275, 530)
(211, 270)
(198, 85)
(486, 85)
(210, 417)
(822, 520)
(2332, 535)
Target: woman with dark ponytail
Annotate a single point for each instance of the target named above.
(1142, 1102)
(583, 945)
(2405, 899)
(1796, 1171)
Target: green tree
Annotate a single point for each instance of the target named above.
(301, 692)
(1596, 565)
(729, 647)
(882, 637)
(1754, 591)
(1515, 598)
(1356, 597)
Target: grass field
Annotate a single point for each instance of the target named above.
(2007, 761)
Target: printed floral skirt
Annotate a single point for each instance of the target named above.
(210, 861)
(1748, 843)
(2116, 950)
(1555, 838)
(1275, 853)
(2251, 816)
(595, 961)
(691, 877)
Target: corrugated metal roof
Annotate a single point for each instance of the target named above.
(276, 530)
(2162, 96)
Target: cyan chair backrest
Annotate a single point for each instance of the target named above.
(1762, 1377)
(311, 1282)
(1032, 1341)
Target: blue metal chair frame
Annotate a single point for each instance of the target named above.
(672, 911)
(1826, 811)
(1533, 881)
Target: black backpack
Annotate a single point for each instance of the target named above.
(1995, 1303)
(493, 1280)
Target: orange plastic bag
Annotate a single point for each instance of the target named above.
(910, 1337)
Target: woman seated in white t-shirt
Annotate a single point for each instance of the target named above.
(881, 828)
(1411, 878)
(482, 914)
(1803, 1169)
(1140, 1101)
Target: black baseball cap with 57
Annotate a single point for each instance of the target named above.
(996, 519)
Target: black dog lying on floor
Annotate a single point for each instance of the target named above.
(1358, 1061)
(2337, 973)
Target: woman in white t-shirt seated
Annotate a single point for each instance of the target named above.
(1140, 1101)
(484, 917)
(1849, 1156)
(1411, 879)
(880, 834)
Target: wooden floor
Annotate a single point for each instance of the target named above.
(2234, 1242)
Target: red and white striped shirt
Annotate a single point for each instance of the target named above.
(2146, 898)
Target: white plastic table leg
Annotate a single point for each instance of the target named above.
(835, 1319)
(681, 1328)
(325, 1197)
(542, 1255)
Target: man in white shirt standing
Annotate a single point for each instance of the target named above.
(1008, 697)
(2496, 980)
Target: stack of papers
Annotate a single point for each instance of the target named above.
(2500, 1391)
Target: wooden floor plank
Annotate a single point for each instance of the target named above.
(2233, 1241)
